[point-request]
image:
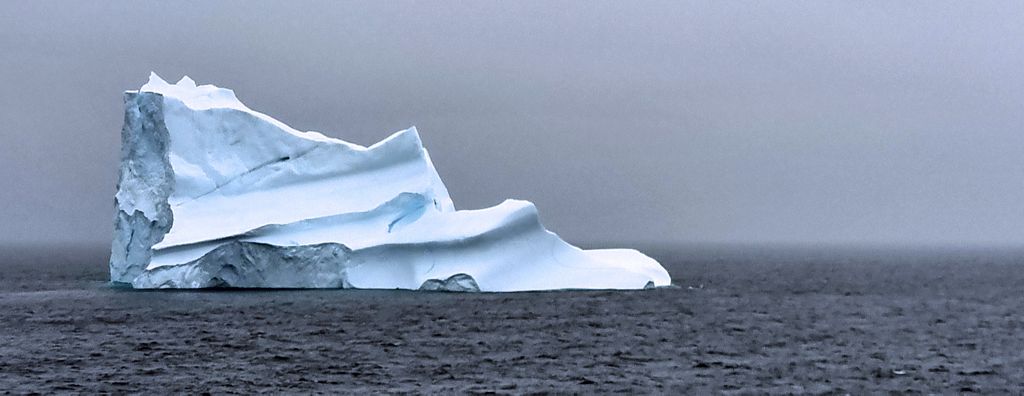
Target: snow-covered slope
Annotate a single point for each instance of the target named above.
(214, 194)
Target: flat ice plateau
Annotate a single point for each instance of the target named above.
(213, 194)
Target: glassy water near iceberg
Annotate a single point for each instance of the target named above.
(214, 194)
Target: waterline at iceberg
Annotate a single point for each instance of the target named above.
(213, 194)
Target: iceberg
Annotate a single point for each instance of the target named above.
(214, 194)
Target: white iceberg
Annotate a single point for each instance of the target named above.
(213, 194)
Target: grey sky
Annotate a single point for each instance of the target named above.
(892, 122)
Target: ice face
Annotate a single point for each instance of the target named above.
(213, 194)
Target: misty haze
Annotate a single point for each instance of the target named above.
(836, 189)
(805, 123)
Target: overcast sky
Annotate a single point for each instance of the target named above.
(625, 122)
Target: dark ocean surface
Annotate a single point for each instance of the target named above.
(741, 320)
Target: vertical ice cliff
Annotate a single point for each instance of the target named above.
(213, 194)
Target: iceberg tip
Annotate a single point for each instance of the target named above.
(155, 80)
(186, 82)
